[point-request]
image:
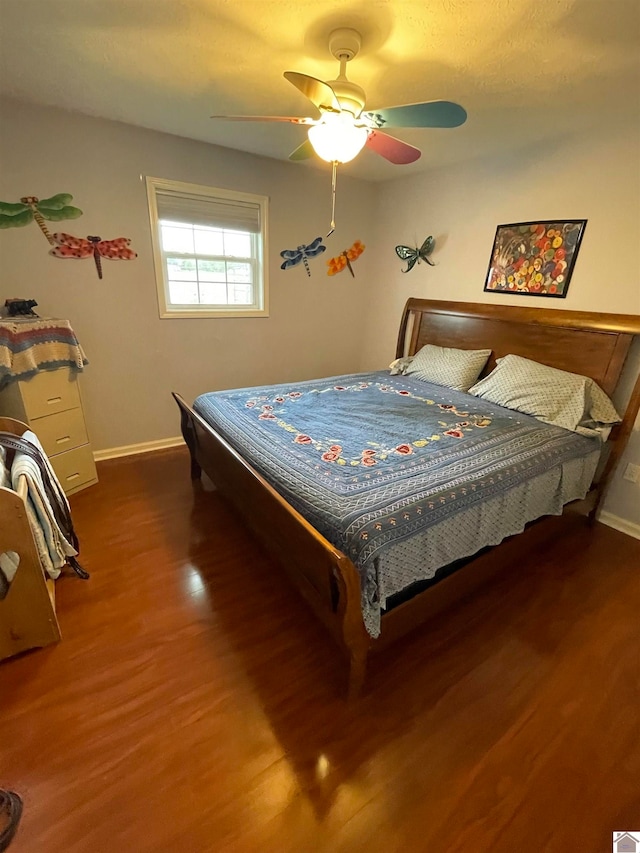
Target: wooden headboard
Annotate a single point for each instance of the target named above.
(594, 345)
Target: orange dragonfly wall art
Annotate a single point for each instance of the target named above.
(344, 259)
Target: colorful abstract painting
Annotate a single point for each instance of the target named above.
(534, 258)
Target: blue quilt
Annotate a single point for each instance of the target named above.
(372, 459)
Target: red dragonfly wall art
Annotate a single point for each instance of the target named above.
(78, 248)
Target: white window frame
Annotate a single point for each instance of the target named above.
(169, 310)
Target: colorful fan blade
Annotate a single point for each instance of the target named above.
(302, 152)
(291, 119)
(318, 92)
(392, 149)
(429, 114)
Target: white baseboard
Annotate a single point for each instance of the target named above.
(621, 524)
(134, 449)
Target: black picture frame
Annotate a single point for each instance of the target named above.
(534, 258)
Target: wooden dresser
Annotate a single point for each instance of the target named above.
(40, 359)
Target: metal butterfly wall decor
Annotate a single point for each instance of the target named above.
(292, 257)
(414, 256)
(79, 248)
(344, 259)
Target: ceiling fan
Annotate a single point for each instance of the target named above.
(344, 126)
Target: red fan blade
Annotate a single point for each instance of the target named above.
(291, 119)
(392, 149)
(318, 92)
(302, 152)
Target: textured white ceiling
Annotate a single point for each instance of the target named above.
(525, 70)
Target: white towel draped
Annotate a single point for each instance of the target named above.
(52, 546)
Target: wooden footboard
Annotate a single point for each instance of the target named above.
(326, 578)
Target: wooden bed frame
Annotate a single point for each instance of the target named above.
(591, 344)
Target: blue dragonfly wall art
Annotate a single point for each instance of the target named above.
(292, 257)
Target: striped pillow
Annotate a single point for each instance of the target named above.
(454, 368)
(551, 395)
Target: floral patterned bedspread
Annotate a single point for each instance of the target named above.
(371, 459)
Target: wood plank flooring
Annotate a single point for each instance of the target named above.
(194, 704)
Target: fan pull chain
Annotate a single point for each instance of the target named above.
(334, 173)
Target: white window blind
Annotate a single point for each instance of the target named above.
(209, 212)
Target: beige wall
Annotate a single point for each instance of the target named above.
(315, 326)
(594, 177)
(319, 325)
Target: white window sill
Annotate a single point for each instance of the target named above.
(205, 313)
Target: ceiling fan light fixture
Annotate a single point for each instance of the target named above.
(336, 138)
(344, 128)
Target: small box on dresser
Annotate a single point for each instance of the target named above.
(49, 401)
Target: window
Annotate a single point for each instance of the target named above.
(209, 249)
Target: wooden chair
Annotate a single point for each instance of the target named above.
(27, 612)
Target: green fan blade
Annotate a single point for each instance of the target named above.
(303, 151)
(56, 202)
(11, 209)
(17, 219)
(57, 215)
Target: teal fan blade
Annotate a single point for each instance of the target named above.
(429, 114)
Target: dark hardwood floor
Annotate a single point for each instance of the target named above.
(194, 704)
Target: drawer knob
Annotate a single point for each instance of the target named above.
(52, 400)
(63, 439)
(73, 476)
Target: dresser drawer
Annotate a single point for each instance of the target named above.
(62, 431)
(48, 392)
(75, 468)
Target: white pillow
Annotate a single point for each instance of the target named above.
(554, 396)
(455, 368)
(400, 365)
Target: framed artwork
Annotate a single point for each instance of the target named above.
(534, 258)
